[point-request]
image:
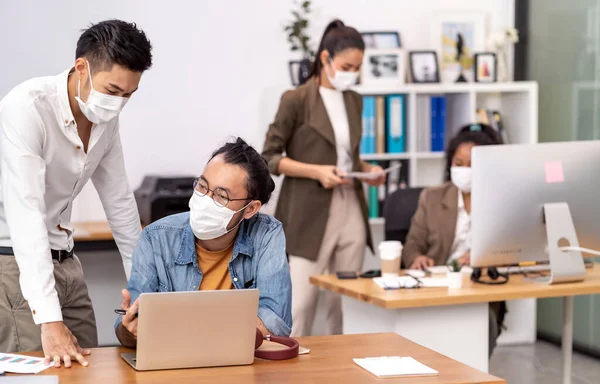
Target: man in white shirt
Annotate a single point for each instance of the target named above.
(55, 134)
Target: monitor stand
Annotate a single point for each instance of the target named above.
(564, 266)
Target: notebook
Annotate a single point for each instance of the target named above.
(395, 366)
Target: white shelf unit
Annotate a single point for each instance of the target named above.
(517, 102)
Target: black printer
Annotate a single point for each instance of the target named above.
(161, 196)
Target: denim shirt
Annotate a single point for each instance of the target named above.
(165, 260)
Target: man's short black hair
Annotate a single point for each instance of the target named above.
(260, 185)
(115, 42)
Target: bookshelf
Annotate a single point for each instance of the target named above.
(517, 103)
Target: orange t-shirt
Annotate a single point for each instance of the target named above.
(214, 267)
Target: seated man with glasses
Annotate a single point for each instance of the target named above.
(223, 242)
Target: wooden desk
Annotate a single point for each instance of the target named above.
(329, 361)
(92, 231)
(453, 322)
(517, 288)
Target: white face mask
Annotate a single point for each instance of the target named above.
(341, 80)
(100, 108)
(208, 220)
(461, 177)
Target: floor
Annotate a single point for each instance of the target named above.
(541, 364)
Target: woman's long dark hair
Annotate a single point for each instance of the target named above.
(478, 134)
(336, 38)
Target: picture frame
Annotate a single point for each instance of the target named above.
(294, 69)
(485, 69)
(383, 66)
(424, 67)
(446, 27)
(381, 39)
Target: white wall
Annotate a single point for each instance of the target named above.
(218, 70)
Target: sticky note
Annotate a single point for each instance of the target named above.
(554, 172)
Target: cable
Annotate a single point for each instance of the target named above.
(580, 249)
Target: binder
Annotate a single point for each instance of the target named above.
(434, 123)
(442, 123)
(373, 202)
(424, 124)
(371, 137)
(395, 124)
(369, 125)
(380, 121)
(364, 145)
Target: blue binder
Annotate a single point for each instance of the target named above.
(442, 123)
(364, 140)
(369, 108)
(434, 123)
(395, 106)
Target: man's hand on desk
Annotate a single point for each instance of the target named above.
(422, 263)
(130, 320)
(59, 344)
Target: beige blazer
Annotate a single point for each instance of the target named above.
(433, 226)
(302, 130)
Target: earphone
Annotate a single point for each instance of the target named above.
(492, 273)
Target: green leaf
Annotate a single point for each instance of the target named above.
(304, 23)
(305, 4)
(294, 48)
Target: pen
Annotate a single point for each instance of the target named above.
(123, 312)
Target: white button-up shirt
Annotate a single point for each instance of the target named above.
(462, 235)
(43, 167)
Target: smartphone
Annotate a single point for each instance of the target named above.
(346, 275)
(371, 274)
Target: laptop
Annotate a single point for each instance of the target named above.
(195, 329)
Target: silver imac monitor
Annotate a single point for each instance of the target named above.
(530, 201)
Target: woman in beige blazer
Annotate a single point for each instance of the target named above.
(440, 231)
(314, 141)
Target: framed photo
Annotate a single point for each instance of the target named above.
(294, 68)
(485, 67)
(383, 66)
(424, 67)
(381, 40)
(456, 37)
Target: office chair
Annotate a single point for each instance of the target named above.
(398, 210)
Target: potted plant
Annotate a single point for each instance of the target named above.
(298, 38)
(455, 279)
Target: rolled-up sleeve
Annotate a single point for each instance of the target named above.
(274, 283)
(280, 131)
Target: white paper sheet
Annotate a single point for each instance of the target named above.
(409, 282)
(391, 366)
(370, 175)
(21, 364)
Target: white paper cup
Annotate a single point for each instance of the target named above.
(455, 280)
(390, 253)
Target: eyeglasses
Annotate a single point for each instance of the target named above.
(219, 195)
(401, 283)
